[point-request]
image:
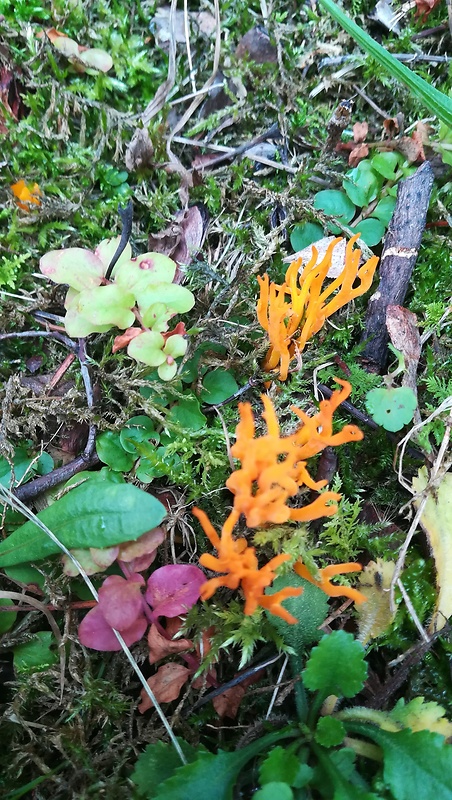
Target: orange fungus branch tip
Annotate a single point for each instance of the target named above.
(26, 195)
(299, 306)
(273, 469)
(324, 580)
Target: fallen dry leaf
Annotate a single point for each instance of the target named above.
(124, 339)
(160, 646)
(256, 45)
(184, 237)
(166, 685)
(140, 152)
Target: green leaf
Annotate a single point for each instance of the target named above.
(111, 452)
(310, 609)
(137, 429)
(7, 618)
(35, 655)
(276, 790)
(387, 164)
(329, 732)
(22, 465)
(415, 764)
(391, 408)
(106, 305)
(436, 101)
(335, 203)
(85, 517)
(304, 235)
(28, 576)
(384, 210)
(157, 763)
(213, 775)
(371, 231)
(187, 414)
(218, 385)
(336, 666)
(362, 184)
(278, 766)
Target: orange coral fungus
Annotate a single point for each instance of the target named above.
(324, 583)
(273, 467)
(26, 195)
(307, 308)
(240, 564)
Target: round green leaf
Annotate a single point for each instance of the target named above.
(330, 732)
(36, 655)
(336, 666)
(391, 408)
(137, 429)
(384, 209)
(362, 184)
(147, 348)
(335, 203)
(29, 576)
(304, 235)
(7, 618)
(187, 414)
(145, 271)
(387, 164)
(218, 385)
(112, 176)
(79, 268)
(371, 231)
(107, 305)
(111, 452)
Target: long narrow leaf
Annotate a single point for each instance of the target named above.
(437, 102)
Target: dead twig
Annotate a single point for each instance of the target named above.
(399, 256)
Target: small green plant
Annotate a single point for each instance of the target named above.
(391, 406)
(365, 204)
(402, 751)
(139, 289)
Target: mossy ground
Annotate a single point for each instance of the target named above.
(71, 138)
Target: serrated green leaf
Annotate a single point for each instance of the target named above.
(85, 517)
(214, 775)
(157, 763)
(436, 101)
(276, 790)
(336, 666)
(391, 408)
(415, 764)
(329, 732)
(422, 715)
(279, 765)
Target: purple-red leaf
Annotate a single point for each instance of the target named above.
(121, 601)
(174, 589)
(95, 632)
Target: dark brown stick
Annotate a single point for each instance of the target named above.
(399, 256)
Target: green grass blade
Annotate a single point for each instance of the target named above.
(437, 102)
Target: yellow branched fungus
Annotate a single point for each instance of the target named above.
(294, 311)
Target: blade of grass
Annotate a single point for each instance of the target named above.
(437, 102)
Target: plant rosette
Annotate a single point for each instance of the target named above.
(141, 288)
